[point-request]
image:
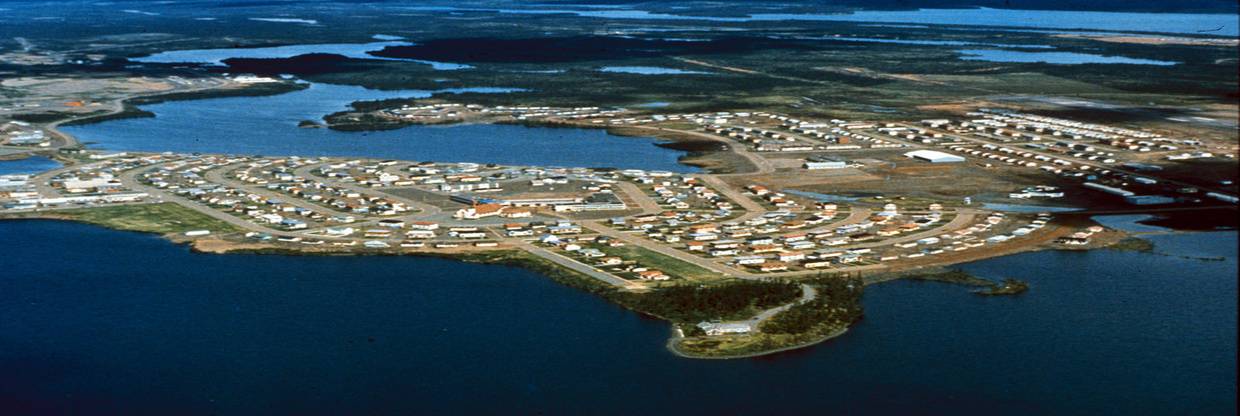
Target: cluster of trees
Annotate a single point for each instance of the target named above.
(838, 303)
(692, 304)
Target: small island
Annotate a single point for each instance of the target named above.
(310, 124)
(1009, 286)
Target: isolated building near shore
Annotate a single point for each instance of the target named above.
(724, 328)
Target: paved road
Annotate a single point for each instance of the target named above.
(719, 265)
(808, 294)
(963, 218)
(40, 180)
(424, 210)
(17, 150)
(219, 175)
(855, 216)
(577, 266)
(666, 250)
(644, 202)
(129, 180)
(752, 208)
(760, 163)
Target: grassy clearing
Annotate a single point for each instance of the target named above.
(160, 218)
(690, 304)
(740, 346)
(1136, 244)
(672, 266)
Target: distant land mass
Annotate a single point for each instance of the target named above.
(1185, 6)
(1163, 6)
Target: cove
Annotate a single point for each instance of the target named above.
(267, 125)
(28, 166)
(1063, 58)
(348, 50)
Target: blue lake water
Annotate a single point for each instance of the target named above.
(648, 70)
(1129, 223)
(1065, 58)
(1005, 55)
(1047, 19)
(268, 126)
(101, 321)
(349, 50)
(927, 42)
(30, 165)
(997, 206)
(821, 197)
(1226, 24)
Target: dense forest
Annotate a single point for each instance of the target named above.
(692, 304)
(838, 302)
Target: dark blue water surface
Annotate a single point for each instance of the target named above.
(268, 126)
(99, 321)
(350, 50)
(1220, 24)
(27, 166)
(1063, 58)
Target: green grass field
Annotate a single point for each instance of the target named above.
(673, 267)
(160, 218)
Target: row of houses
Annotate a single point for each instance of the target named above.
(589, 249)
(277, 175)
(685, 192)
(26, 201)
(779, 200)
(187, 179)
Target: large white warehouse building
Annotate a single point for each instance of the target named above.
(934, 156)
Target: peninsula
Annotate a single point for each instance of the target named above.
(772, 255)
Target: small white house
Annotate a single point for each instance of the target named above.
(724, 328)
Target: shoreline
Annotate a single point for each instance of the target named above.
(698, 151)
(502, 256)
(515, 257)
(704, 151)
(674, 339)
(508, 255)
(128, 107)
